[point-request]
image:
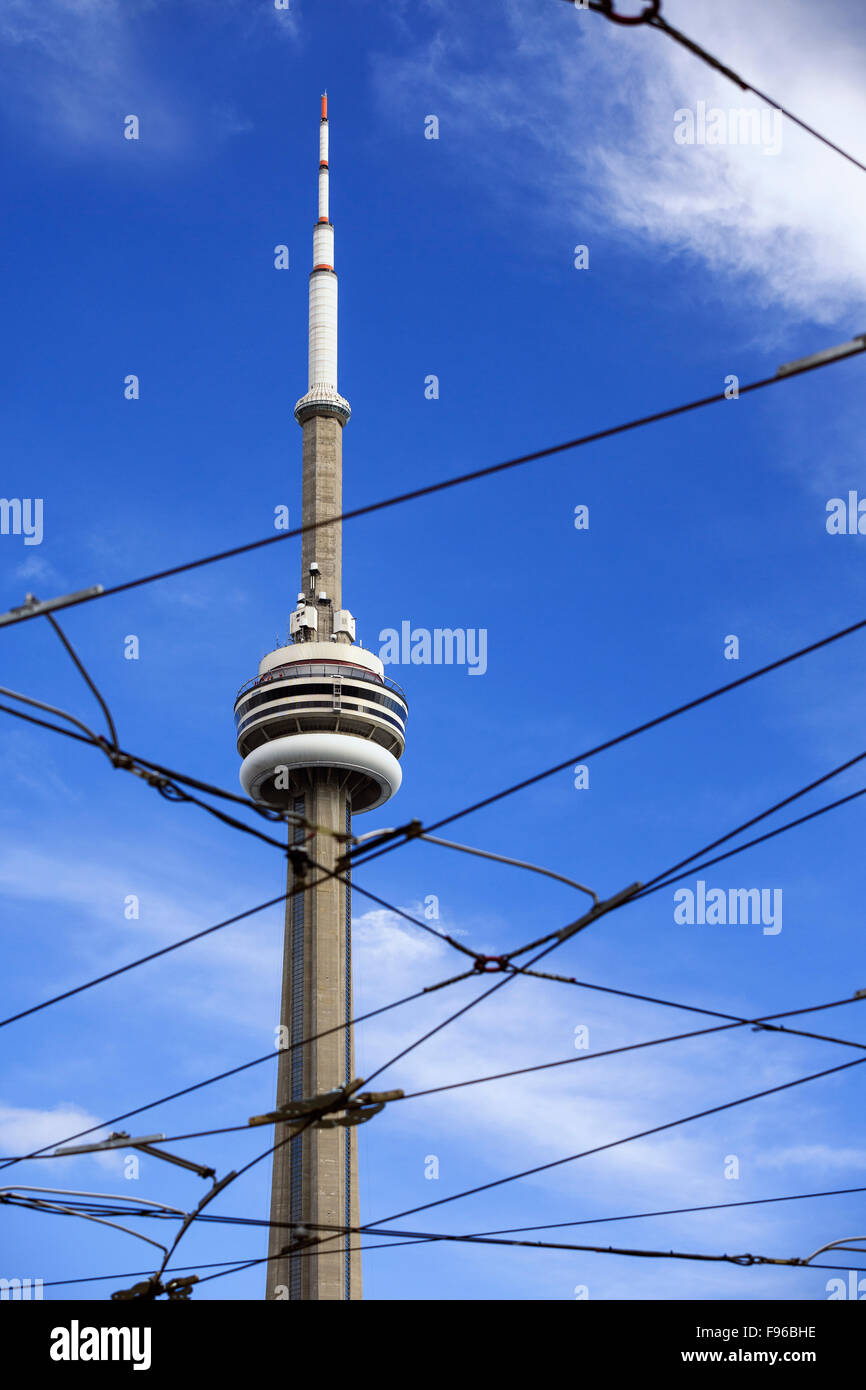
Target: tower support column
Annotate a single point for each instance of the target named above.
(323, 497)
(315, 1175)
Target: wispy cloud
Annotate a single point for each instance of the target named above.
(574, 120)
(572, 1108)
(73, 70)
(23, 1131)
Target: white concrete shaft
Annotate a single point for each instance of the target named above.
(323, 193)
(323, 327)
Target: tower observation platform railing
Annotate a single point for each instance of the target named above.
(328, 669)
(321, 696)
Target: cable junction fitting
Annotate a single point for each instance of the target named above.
(152, 1288)
(598, 910)
(33, 607)
(605, 7)
(848, 349)
(317, 1112)
(373, 839)
(121, 1140)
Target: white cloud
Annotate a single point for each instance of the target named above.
(498, 1127)
(230, 975)
(816, 1158)
(23, 1131)
(36, 567)
(574, 118)
(517, 1123)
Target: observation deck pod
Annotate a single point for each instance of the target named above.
(321, 709)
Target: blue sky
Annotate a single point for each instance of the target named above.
(456, 258)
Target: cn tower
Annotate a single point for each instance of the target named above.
(320, 730)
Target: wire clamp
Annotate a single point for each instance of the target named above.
(492, 965)
(299, 860)
(651, 12)
(318, 1112)
(152, 1288)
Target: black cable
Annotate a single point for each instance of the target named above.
(221, 1076)
(23, 615)
(652, 17)
(239, 1265)
(300, 887)
(79, 663)
(761, 1024)
(370, 1227)
(164, 784)
(758, 1023)
(260, 1221)
(142, 960)
(128, 762)
(760, 839)
(746, 825)
(432, 1237)
(410, 832)
(654, 886)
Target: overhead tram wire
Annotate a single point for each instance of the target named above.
(661, 880)
(25, 613)
(671, 875)
(211, 1080)
(652, 17)
(271, 1149)
(579, 924)
(746, 825)
(161, 778)
(761, 1023)
(432, 1237)
(86, 676)
(300, 887)
(758, 840)
(263, 1222)
(557, 938)
(371, 1227)
(414, 829)
(596, 911)
(677, 871)
(238, 1266)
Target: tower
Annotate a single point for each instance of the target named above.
(320, 729)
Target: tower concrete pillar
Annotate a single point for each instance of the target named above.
(315, 1175)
